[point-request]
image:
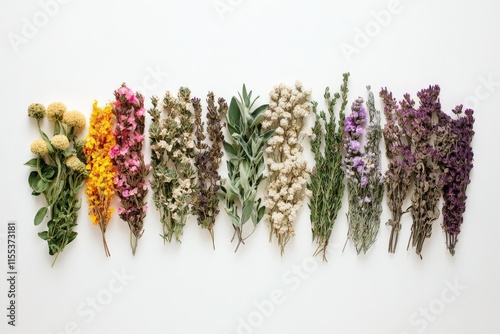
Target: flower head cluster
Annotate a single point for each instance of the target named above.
(327, 177)
(207, 161)
(74, 119)
(288, 172)
(100, 183)
(60, 173)
(399, 175)
(363, 173)
(36, 110)
(172, 152)
(131, 171)
(454, 147)
(56, 111)
(60, 142)
(39, 147)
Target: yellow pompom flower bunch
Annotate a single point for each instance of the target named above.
(59, 172)
(100, 182)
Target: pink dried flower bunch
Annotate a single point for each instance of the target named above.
(128, 158)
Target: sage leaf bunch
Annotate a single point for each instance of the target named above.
(245, 164)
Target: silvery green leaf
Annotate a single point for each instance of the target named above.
(229, 149)
(32, 163)
(265, 137)
(234, 114)
(247, 211)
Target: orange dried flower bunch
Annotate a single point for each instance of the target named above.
(100, 182)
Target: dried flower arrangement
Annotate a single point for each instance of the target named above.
(207, 160)
(288, 172)
(245, 164)
(363, 173)
(420, 127)
(327, 177)
(131, 185)
(60, 173)
(172, 157)
(454, 147)
(100, 183)
(399, 175)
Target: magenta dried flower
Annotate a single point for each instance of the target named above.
(128, 158)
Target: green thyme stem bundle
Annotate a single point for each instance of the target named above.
(245, 164)
(59, 175)
(327, 177)
(363, 173)
(207, 161)
(288, 173)
(172, 151)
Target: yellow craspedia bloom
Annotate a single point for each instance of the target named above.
(39, 147)
(55, 111)
(75, 164)
(75, 119)
(60, 142)
(36, 111)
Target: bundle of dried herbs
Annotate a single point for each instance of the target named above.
(172, 157)
(59, 173)
(420, 128)
(363, 173)
(327, 177)
(399, 175)
(207, 160)
(288, 172)
(101, 181)
(245, 164)
(131, 171)
(454, 147)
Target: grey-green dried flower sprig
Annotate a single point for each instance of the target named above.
(207, 160)
(245, 163)
(363, 173)
(172, 157)
(327, 177)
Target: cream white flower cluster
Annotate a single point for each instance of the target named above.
(172, 159)
(288, 172)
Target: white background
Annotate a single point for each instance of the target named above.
(86, 49)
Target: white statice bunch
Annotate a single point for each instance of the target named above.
(288, 172)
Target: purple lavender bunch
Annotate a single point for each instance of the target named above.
(398, 177)
(420, 127)
(363, 173)
(454, 146)
(207, 160)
